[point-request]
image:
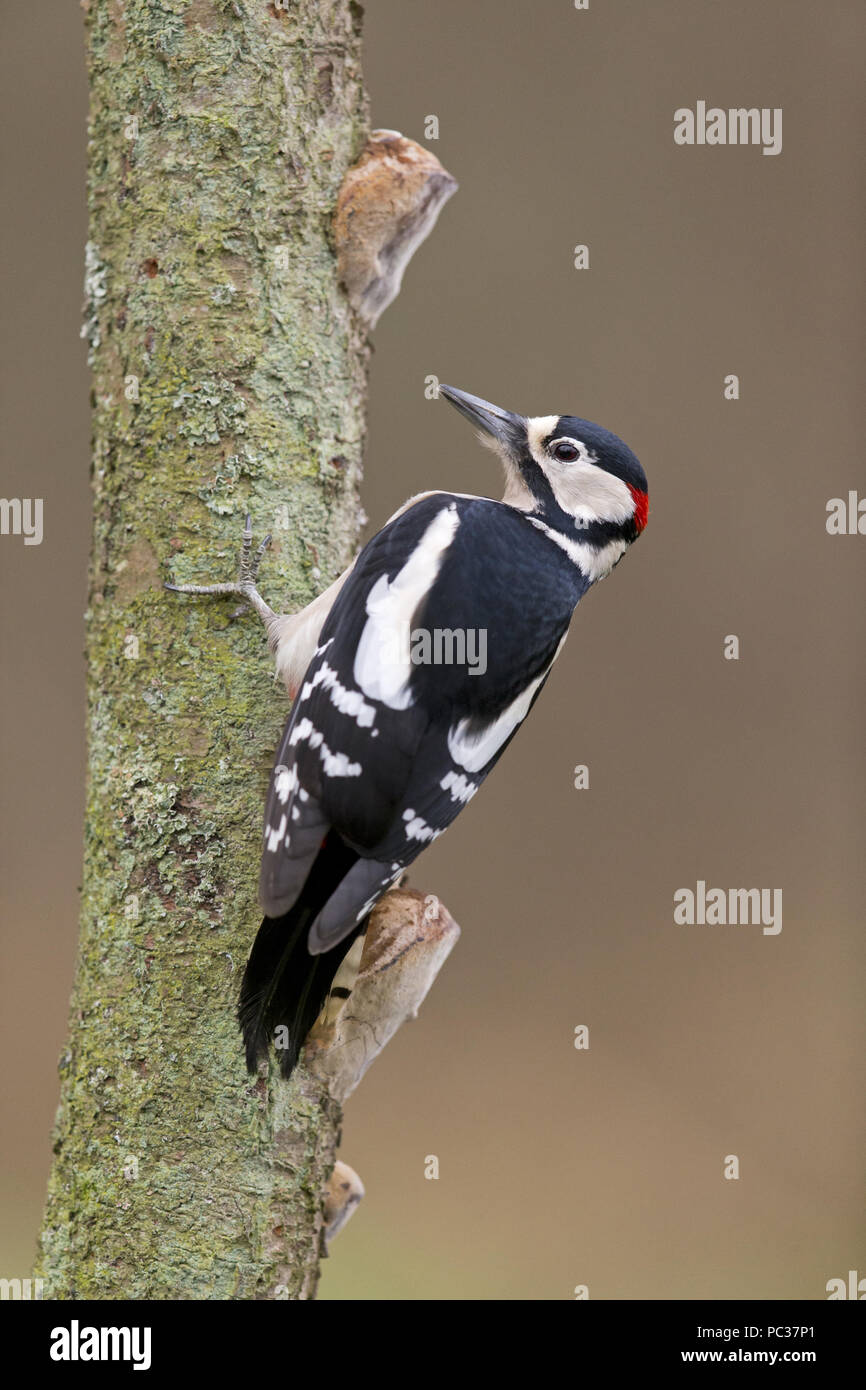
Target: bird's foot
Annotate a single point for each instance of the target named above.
(245, 584)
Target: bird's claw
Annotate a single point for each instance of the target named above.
(249, 566)
(245, 584)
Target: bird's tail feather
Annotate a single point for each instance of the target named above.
(284, 987)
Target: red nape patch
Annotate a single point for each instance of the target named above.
(641, 506)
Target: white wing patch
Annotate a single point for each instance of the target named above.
(383, 663)
(474, 750)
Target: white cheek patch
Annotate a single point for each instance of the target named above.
(383, 662)
(583, 490)
(588, 493)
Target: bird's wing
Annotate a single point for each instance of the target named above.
(333, 730)
(387, 750)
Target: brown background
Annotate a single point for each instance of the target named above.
(557, 1167)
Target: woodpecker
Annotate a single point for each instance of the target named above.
(397, 717)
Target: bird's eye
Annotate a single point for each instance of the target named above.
(565, 451)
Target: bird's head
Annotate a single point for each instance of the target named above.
(577, 477)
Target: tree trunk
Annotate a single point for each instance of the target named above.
(228, 375)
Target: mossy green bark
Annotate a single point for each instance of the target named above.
(228, 375)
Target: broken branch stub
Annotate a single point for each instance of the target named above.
(408, 940)
(388, 204)
(343, 1192)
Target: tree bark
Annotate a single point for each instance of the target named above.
(229, 375)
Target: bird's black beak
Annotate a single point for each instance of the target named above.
(507, 429)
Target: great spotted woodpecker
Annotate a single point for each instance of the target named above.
(389, 735)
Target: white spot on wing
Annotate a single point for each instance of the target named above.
(416, 828)
(460, 787)
(285, 782)
(275, 836)
(334, 764)
(347, 701)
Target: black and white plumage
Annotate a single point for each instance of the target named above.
(381, 751)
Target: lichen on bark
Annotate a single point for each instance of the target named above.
(229, 375)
